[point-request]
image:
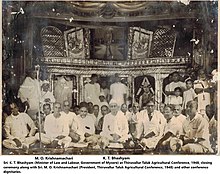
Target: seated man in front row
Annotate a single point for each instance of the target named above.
(83, 126)
(154, 123)
(16, 129)
(195, 138)
(56, 127)
(83, 130)
(172, 130)
(115, 125)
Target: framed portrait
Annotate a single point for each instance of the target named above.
(108, 43)
(75, 43)
(139, 42)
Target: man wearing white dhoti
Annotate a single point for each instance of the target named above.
(56, 128)
(92, 90)
(16, 129)
(118, 91)
(153, 127)
(115, 125)
(30, 94)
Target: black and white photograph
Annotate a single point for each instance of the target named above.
(109, 78)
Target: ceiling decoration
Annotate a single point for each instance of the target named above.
(107, 10)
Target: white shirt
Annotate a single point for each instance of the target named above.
(30, 91)
(181, 118)
(92, 92)
(85, 125)
(93, 117)
(173, 126)
(204, 97)
(188, 95)
(117, 90)
(176, 100)
(198, 127)
(139, 120)
(156, 124)
(115, 124)
(16, 126)
(171, 86)
(71, 116)
(55, 127)
(127, 114)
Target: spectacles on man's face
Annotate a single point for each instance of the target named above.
(66, 105)
(113, 106)
(150, 106)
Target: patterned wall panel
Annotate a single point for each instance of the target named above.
(52, 42)
(163, 43)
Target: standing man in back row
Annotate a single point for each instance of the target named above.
(169, 89)
(29, 93)
(92, 90)
(118, 91)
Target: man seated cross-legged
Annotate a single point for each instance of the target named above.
(16, 126)
(56, 127)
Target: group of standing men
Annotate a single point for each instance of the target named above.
(118, 91)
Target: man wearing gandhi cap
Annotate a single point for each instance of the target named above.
(115, 125)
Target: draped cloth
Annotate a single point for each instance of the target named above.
(90, 7)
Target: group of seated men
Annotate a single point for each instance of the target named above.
(114, 126)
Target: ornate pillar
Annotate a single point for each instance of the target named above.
(158, 89)
(80, 88)
(132, 88)
(159, 77)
